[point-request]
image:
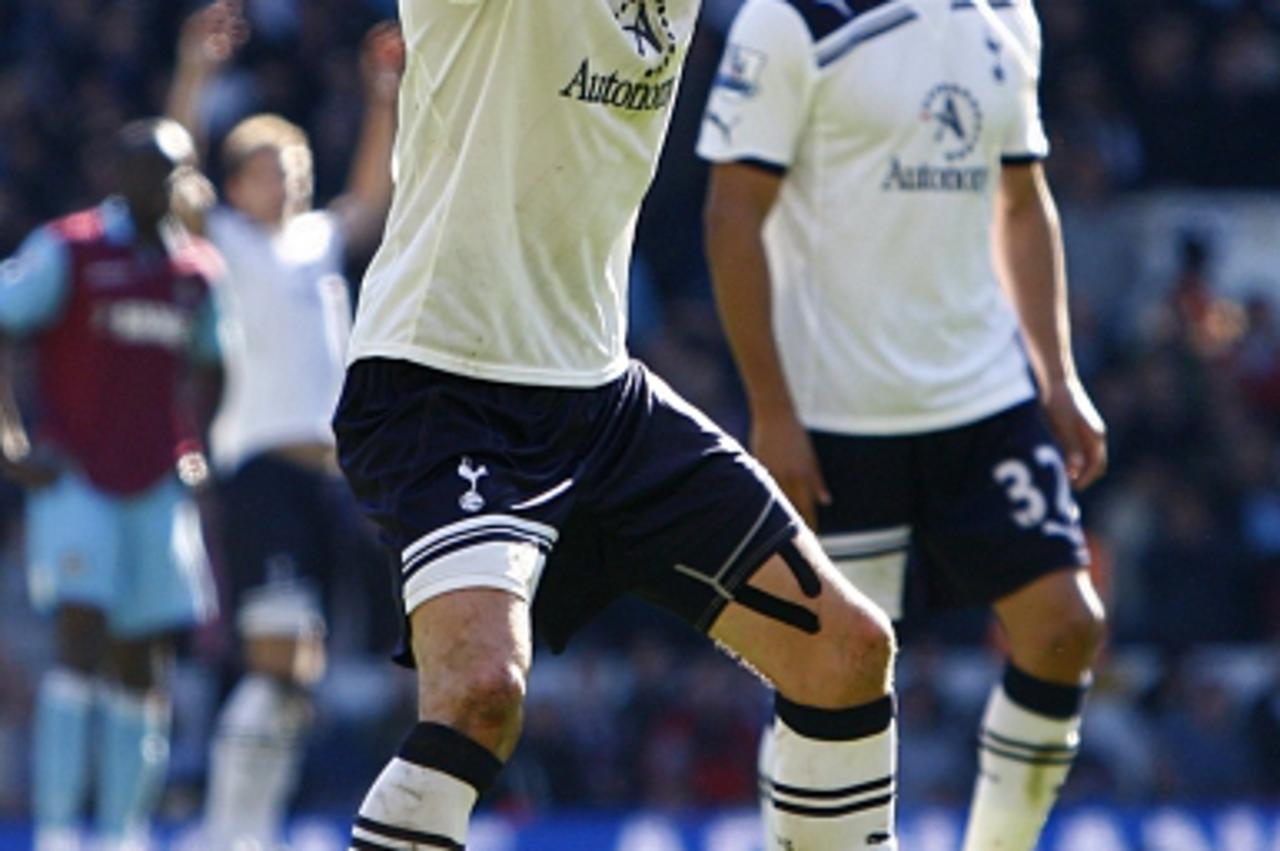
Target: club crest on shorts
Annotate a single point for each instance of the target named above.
(471, 501)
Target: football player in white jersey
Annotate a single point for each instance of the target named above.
(888, 264)
(287, 517)
(525, 471)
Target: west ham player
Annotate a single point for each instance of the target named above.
(869, 159)
(113, 300)
(525, 470)
(285, 318)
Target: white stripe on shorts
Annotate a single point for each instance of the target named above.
(866, 544)
(474, 524)
(513, 566)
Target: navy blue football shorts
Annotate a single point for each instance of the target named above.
(285, 528)
(979, 510)
(566, 497)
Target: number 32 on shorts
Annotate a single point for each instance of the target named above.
(1031, 508)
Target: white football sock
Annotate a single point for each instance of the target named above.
(254, 763)
(423, 798)
(1023, 760)
(833, 784)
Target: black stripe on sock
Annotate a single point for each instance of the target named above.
(827, 794)
(836, 725)
(365, 845)
(832, 812)
(1029, 760)
(1005, 741)
(404, 834)
(446, 750)
(1042, 697)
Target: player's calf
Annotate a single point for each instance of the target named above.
(827, 774)
(1031, 728)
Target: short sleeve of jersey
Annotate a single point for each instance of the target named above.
(335, 237)
(1026, 140)
(34, 283)
(759, 102)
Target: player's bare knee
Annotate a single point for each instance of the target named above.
(869, 650)
(1073, 637)
(484, 702)
(849, 663)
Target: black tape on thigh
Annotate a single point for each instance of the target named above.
(792, 614)
(806, 576)
(778, 609)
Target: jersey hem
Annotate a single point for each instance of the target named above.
(920, 423)
(505, 374)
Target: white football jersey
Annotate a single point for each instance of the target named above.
(529, 132)
(283, 321)
(890, 121)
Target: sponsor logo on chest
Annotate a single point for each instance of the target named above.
(142, 322)
(646, 25)
(952, 118)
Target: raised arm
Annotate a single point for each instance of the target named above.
(209, 38)
(362, 208)
(1028, 248)
(739, 200)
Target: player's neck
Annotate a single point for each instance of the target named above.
(268, 224)
(150, 234)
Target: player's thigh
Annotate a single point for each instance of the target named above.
(998, 510)
(73, 546)
(693, 524)
(141, 663)
(866, 527)
(165, 582)
(81, 637)
(473, 648)
(814, 636)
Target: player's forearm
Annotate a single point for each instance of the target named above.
(183, 101)
(369, 182)
(1029, 251)
(15, 444)
(740, 278)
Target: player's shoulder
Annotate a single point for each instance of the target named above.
(1019, 16)
(774, 20)
(82, 226)
(196, 257)
(821, 18)
(315, 233)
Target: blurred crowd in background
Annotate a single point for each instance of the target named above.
(1163, 115)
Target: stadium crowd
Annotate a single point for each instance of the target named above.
(1142, 96)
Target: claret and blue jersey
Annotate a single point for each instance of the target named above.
(113, 325)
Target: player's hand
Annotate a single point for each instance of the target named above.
(212, 35)
(1079, 429)
(382, 61)
(28, 467)
(191, 197)
(783, 446)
